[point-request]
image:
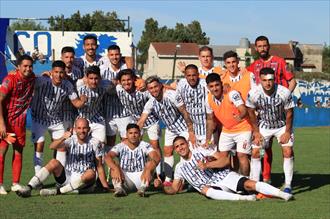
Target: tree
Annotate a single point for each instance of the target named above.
(96, 21)
(191, 33)
(326, 59)
(26, 25)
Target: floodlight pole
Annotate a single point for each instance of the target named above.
(177, 47)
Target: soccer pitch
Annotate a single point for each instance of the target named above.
(311, 188)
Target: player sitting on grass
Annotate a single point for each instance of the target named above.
(137, 162)
(213, 178)
(84, 158)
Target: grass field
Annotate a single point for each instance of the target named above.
(311, 188)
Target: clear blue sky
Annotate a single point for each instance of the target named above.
(225, 22)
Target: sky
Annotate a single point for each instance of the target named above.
(225, 22)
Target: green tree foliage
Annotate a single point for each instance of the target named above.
(326, 59)
(26, 25)
(96, 21)
(191, 33)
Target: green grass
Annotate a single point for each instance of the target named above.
(311, 188)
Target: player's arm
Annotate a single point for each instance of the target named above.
(289, 76)
(237, 100)
(59, 143)
(142, 120)
(186, 116)
(292, 84)
(3, 131)
(174, 188)
(79, 101)
(218, 162)
(242, 112)
(116, 173)
(153, 161)
(210, 126)
(101, 172)
(257, 138)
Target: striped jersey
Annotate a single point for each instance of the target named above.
(167, 111)
(194, 100)
(81, 157)
(188, 170)
(203, 73)
(271, 109)
(18, 92)
(134, 102)
(48, 99)
(113, 106)
(132, 160)
(83, 64)
(75, 74)
(93, 109)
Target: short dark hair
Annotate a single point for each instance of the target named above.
(114, 47)
(127, 71)
(90, 37)
(58, 63)
(230, 54)
(267, 71)
(132, 126)
(93, 70)
(206, 48)
(179, 138)
(191, 66)
(67, 49)
(153, 78)
(24, 57)
(261, 38)
(212, 77)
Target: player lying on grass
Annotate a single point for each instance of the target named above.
(211, 176)
(137, 162)
(84, 158)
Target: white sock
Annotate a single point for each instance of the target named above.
(39, 177)
(267, 189)
(288, 171)
(116, 184)
(170, 163)
(255, 169)
(74, 184)
(221, 195)
(61, 157)
(38, 160)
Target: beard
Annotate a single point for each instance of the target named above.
(264, 55)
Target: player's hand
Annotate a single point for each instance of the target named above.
(83, 98)
(146, 177)
(257, 138)
(67, 135)
(192, 139)
(46, 74)
(3, 131)
(226, 88)
(207, 143)
(116, 175)
(285, 137)
(181, 66)
(201, 165)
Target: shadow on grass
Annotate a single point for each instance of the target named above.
(302, 182)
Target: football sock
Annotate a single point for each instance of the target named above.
(61, 157)
(267, 162)
(16, 167)
(267, 189)
(39, 177)
(74, 184)
(221, 195)
(2, 167)
(288, 170)
(255, 169)
(38, 161)
(168, 167)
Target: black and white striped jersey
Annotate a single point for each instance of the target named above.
(188, 170)
(48, 99)
(75, 74)
(134, 102)
(93, 109)
(81, 157)
(113, 106)
(194, 100)
(83, 64)
(167, 111)
(271, 109)
(132, 160)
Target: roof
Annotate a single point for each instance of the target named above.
(168, 48)
(282, 50)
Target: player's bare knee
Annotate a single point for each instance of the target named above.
(287, 152)
(255, 153)
(250, 185)
(88, 176)
(53, 165)
(204, 190)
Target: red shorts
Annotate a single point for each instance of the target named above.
(20, 133)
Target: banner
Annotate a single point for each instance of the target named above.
(4, 23)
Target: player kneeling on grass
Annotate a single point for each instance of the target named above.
(213, 178)
(84, 158)
(137, 162)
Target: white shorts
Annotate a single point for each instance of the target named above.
(98, 131)
(170, 136)
(269, 133)
(153, 131)
(118, 125)
(240, 141)
(38, 130)
(229, 183)
(132, 181)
